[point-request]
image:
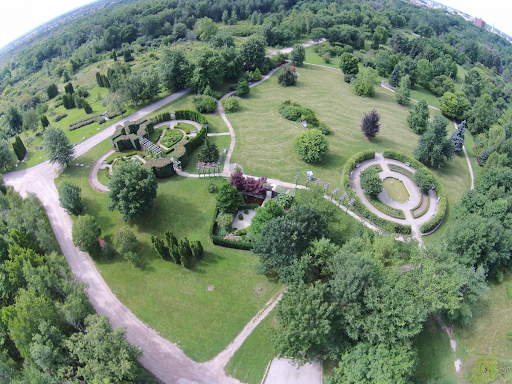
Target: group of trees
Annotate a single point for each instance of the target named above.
(178, 251)
(343, 304)
(50, 332)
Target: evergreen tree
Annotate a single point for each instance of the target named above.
(403, 92)
(52, 91)
(457, 137)
(99, 80)
(114, 55)
(159, 246)
(225, 17)
(44, 121)
(394, 79)
(185, 253)
(68, 88)
(127, 56)
(197, 249)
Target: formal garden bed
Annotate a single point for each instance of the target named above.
(359, 205)
(422, 206)
(171, 137)
(384, 208)
(432, 224)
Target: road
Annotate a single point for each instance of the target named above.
(160, 357)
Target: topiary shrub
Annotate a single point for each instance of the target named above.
(424, 180)
(370, 181)
(242, 88)
(212, 188)
(230, 104)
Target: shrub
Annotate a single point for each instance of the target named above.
(230, 104)
(370, 181)
(224, 221)
(240, 217)
(242, 88)
(59, 117)
(70, 198)
(134, 259)
(204, 103)
(256, 76)
(296, 112)
(229, 199)
(312, 146)
(86, 121)
(284, 200)
(424, 179)
(212, 188)
(322, 128)
(287, 77)
(246, 211)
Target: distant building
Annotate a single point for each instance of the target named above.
(479, 22)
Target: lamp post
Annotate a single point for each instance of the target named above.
(297, 176)
(350, 203)
(317, 182)
(326, 187)
(308, 179)
(335, 193)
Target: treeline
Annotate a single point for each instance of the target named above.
(49, 331)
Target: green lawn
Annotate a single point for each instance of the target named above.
(264, 139)
(172, 300)
(250, 361)
(436, 359)
(220, 141)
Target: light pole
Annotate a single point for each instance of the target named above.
(335, 193)
(326, 187)
(308, 179)
(297, 176)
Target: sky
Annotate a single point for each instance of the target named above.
(21, 16)
(492, 11)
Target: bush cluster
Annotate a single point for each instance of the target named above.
(59, 117)
(204, 103)
(296, 112)
(230, 104)
(86, 121)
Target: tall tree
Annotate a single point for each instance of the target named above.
(229, 199)
(208, 69)
(132, 190)
(365, 82)
(6, 155)
(174, 69)
(394, 79)
(252, 52)
(418, 119)
(86, 233)
(13, 120)
(58, 147)
(70, 197)
(298, 55)
(370, 124)
(312, 146)
(206, 28)
(481, 116)
(434, 148)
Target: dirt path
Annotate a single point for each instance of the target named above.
(471, 174)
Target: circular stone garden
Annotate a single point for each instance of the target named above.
(383, 189)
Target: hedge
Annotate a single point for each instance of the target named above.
(422, 196)
(59, 117)
(114, 156)
(86, 121)
(186, 114)
(162, 168)
(359, 206)
(196, 141)
(166, 116)
(220, 241)
(393, 212)
(127, 136)
(438, 218)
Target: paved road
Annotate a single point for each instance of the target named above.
(161, 357)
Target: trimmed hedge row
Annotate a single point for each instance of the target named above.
(86, 121)
(166, 116)
(220, 241)
(422, 196)
(114, 156)
(393, 212)
(438, 218)
(359, 206)
(187, 114)
(162, 168)
(401, 170)
(127, 137)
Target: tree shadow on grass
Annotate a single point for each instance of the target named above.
(208, 259)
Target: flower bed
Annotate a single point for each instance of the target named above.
(358, 204)
(423, 211)
(238, 241)
(438, 218)
(402, 170)
(171, 137)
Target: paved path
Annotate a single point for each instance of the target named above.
(93, 175)
(160, 357)
(284, 371)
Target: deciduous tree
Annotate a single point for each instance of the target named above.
(57, 146)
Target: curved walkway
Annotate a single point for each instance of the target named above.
(162, 358)
(412, 188)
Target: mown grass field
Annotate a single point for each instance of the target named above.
(172, 300)
(264, 139)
